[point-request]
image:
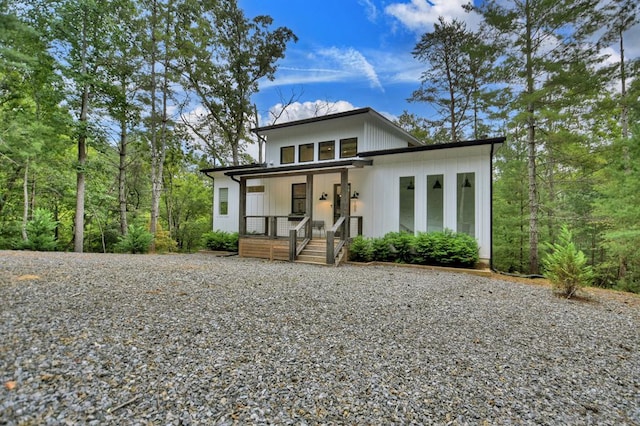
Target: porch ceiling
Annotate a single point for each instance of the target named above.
(304, 169)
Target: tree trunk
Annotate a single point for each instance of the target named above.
(78, 237)
(531, 148)
(122, 176)
(25, 210)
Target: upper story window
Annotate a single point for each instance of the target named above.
(348, 147)
(327, 150)
(287, 154)
(305, 152)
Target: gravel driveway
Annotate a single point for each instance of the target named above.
(198, 339)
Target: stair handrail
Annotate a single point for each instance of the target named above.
(331, 248)
(294, 249)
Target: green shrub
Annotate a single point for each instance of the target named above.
(381, 252)
(447, 248)
(566, 266)
(401, 246)
(361, 249)
(220, 240)
(41, 231)
(137, 240)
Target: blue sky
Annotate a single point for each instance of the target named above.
(356, 53)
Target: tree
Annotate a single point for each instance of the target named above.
(459, 69)
(546, 39)
(223, 56)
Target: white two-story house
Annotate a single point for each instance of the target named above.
(329, 178)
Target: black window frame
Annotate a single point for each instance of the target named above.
(332, 150)
(297, 197)
(293, 154)
(344, 142)
(313, 152)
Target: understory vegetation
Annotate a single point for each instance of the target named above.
(445, 248)
(220, 240)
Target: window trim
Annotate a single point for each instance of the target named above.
(293, 198)
(344, 141)
(293, 156)
(313, 152)
(220, 201)
(332, 150)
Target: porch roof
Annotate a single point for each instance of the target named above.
(262, 170)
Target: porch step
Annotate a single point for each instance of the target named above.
(314, 252)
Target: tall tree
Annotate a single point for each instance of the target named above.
(79, 30)
(123, 63)
(546, 38)
(459, 68)
(224, 55)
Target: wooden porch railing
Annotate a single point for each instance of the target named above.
(294, 247)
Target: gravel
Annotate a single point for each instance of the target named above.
(198, 339)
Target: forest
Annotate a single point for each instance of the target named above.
(98, 139)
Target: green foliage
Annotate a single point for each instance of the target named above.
(447, 248)
(220, 240)
(400, 246)
(566, 266)
(361, 249)
(435, 248)
(137, 240)
(41, 231)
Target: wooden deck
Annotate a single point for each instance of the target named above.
(264, 248)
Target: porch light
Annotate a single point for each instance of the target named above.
(437, 185)
(323, 197)
(466, 183)
(355, 195)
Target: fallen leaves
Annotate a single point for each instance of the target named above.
(10, 385)
(28, 277)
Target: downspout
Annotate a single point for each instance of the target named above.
(213, 195)
(491, 208)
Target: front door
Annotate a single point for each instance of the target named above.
(337, 196)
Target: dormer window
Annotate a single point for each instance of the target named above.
(327, 150)
(348, 147)
(305, 153)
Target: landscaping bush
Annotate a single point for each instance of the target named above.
(447, 248)
(400, 246)
(41, 231)
(436, 248)
(137, 240)
(361, 249)
(220, 240)
(566, 266)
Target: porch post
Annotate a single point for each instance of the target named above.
(344, 203)
(309, 203)
(242, 207)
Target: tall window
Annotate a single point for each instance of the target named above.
(298, 198)
(287, 154)
(407, 204)
(223, 201)
(327, 150)
(348, 147)
(435, 203)
(466, 200)
(305, 152)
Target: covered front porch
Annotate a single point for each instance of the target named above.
(318, 222)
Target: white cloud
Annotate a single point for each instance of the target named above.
(420, 15)
(352, 62)
(302, 110)
(370, 9)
